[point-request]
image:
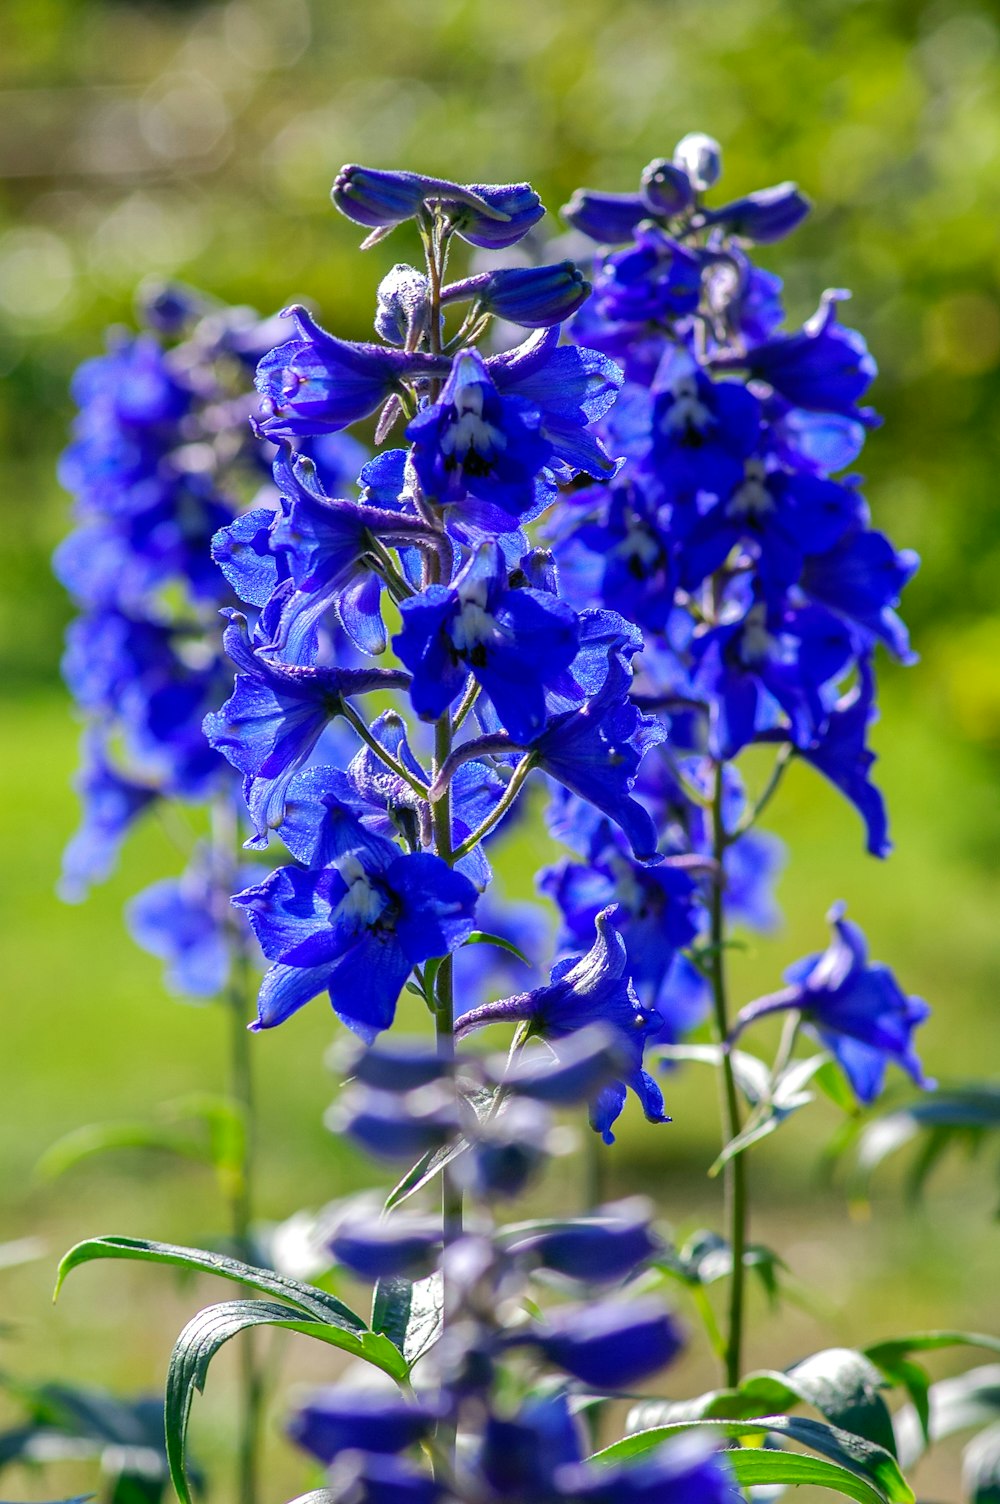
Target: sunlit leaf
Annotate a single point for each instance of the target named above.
(202, 1338)
(307, 1298)
(860, 1456)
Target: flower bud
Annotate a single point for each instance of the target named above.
(604, 1248)
(764, 216)
(402, 305)
(492, 215)
(344, 1418)
(609, 218)
(532, 296)
(402, 1247)
(700, 157)
(585, 1062)
(393, 1127)
(612, 1345)
(666, 187)
(378, 199)
(398, 1065)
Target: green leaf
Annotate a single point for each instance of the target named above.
(483, 937)
(752, 1075)
(894, 1348)
(202, 1338)
(981, 1468)
(307, 1298)
(962, 1403)
(834, 1084)
(100, 1138)
(960, 1114)
(784, 1096)
(426, 1318)
(391, 1303)
(865, 1458)
(759, 1466)
(843, 1385)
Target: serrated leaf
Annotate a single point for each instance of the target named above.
(484, 937)
(207, 1332)
(761, 1467)
(859, 1456)
(307, 1298)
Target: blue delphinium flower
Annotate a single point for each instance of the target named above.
(355, 929)
(275, 716)
(316, 383)
(584, 990)
(513, 642)
(856, 1007)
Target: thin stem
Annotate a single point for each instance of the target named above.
(468, 700)
(238, 1003)
(501, 807)
(445, 985)
(753, 814)
(735, 1170)
(385, 564)
(351, 716)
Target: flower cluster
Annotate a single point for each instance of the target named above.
(480, 1365)
(162, 457)
(730, 536)
(512, 679)
(410, 659)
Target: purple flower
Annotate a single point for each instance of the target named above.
(514, 642)
(856, 1007)
(355, 929)
(585, 990)
(345, 1418)
(532, 296)
(275, 716)
(824, 367)
(609, 218)
(317, 383)
(608, 1346)
(111, 805)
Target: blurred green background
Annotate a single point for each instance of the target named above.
(200, 140)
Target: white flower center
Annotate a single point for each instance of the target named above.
(752, 498)
(470, 430)
(638, 543)
(686, 410)
(361, 903)
(474, 626)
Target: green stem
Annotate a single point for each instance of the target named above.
(242, 1200)
(351, 716)
(503, 804)
(752, 815)
(468, 700)
(735, 1170)
(237, 1000)
(451, 1209)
